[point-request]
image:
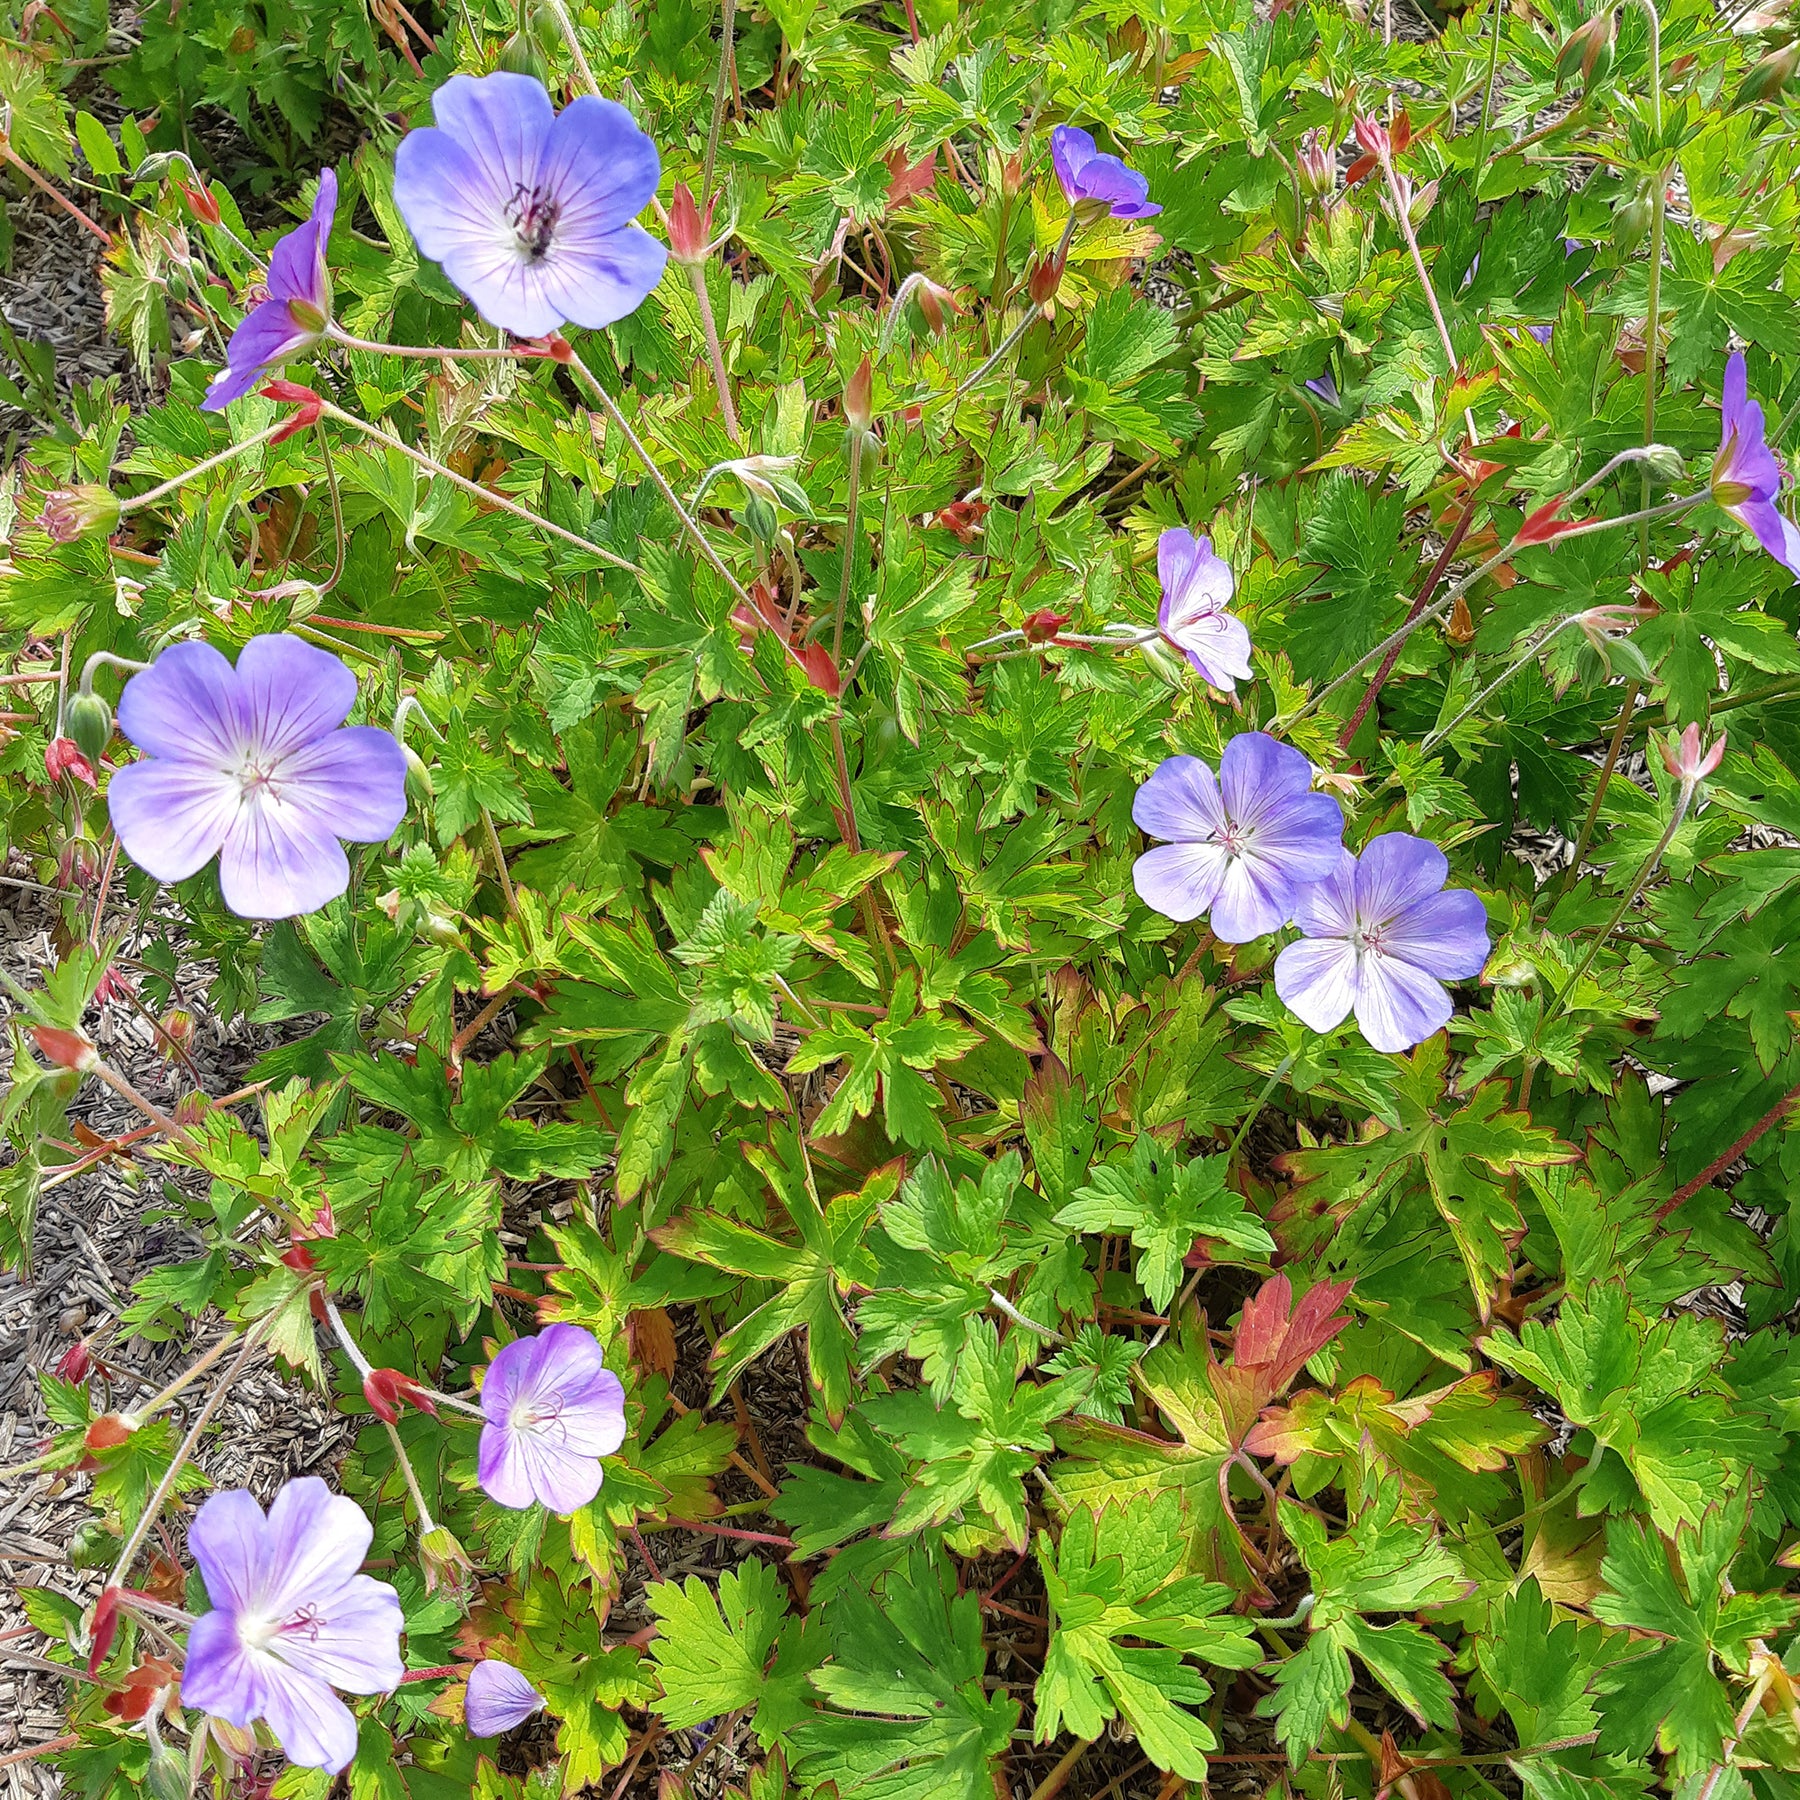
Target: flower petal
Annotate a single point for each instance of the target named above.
(219, 1675)
(185, 707)
(593, 279)
(172, 817)
(266, 338)
(498, 1698)
(291, 692)
(297, 263)
(1327, 907)
(349, 1638)
(1397, 1005)
(352, 781)
(314, 1727)
(1253, 900)
(602, 168)
(1180, 881)
(1774, 531)
(1302, 836)
(503, 121)
(1446, 935)
(279, 861)
(516, 1467)
(1180, 801)
(1071, 150)
(1258, 774)
(510, 1376)
(1218, 646)
(1395, 871)
(228, 1538)
(1316, 980)
(316, 1541)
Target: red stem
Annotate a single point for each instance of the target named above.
(1438, 570)
(1726, 1158)
(731, 1531)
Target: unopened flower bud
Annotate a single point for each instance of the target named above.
(1012, 175)
(89, 721)
(104, 1628)
(859, 396)
(1588, 51)
(1045, 278)
(933, 302)
(67, 1049)
(108, 1432)
(201, 203)
(1630, 222)
(1318, 166)
(1687, 759)
(690, 229)
(444, 1561)
(75, 1362)
(175, 1030)
(1766, 80)
(62, 756)
(93, 1546)
(1664, 461)
(86, 510)
(521, 54)
(419, 788)
(170, 1776)
(387, 1390)
(1372, 137)
(1041, 627)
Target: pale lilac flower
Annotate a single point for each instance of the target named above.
(1245, 845)
(1381, 939)
(529, 210)
(292, 1619)
(293, 317)
(1196, 589)
(1543, 333)
(553, 1410)
(499, 1698)
(250, 765)
(1746, 478)
(1325, 388)
(1095, 182)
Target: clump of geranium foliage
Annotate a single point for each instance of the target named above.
(1074, 736)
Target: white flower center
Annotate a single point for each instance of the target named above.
(258, 776)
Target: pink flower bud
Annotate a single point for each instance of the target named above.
(1686, 759)
(75, 1362)
(387, 1390)
(859, 395)
(87, 510)
(67, 1049)
(62, 756)
(690, 229)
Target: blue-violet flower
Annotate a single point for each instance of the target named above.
(1746, 478)
(292, 1619)
(530, 210)
(1196, 589)
(1245, 844)
(1095, 183)
(498, 1698)
(1380, 940)
(553, 1410)
(249, 764)
(294, 316)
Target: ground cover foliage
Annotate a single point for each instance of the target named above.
(789, 674)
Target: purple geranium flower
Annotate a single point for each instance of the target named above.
(1246, 845)
(553, 1410)
(292, 1619)
(1381, 939)
(1095, 183)
(294, 316)
(1325, 388)
(1746, 478)
(249, 765)
(1196, 589)
(499, 1698)
(530, 210)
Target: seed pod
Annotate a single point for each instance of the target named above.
(522, 55)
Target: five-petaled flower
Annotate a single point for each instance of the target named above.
(253, 765)
(553, 1410)
(498, 1698)
(1095, 183)
(529, 210)
(1381, 937)
(1196, 589)
(1245, 844)
(294, 316)
(1746, 478)
(292, 1619)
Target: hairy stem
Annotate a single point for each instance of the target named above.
(1572, 873)
(727, 51)
(697, 276)
(1726, 1158)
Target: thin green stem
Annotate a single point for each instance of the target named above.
(1457, 589)
(1653, 300)
(138, 502)
(727, 50)
(702, 299)
(857, 437)
(1572, 873)
(1487, 94)
(1439, 732)
(486, 495)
